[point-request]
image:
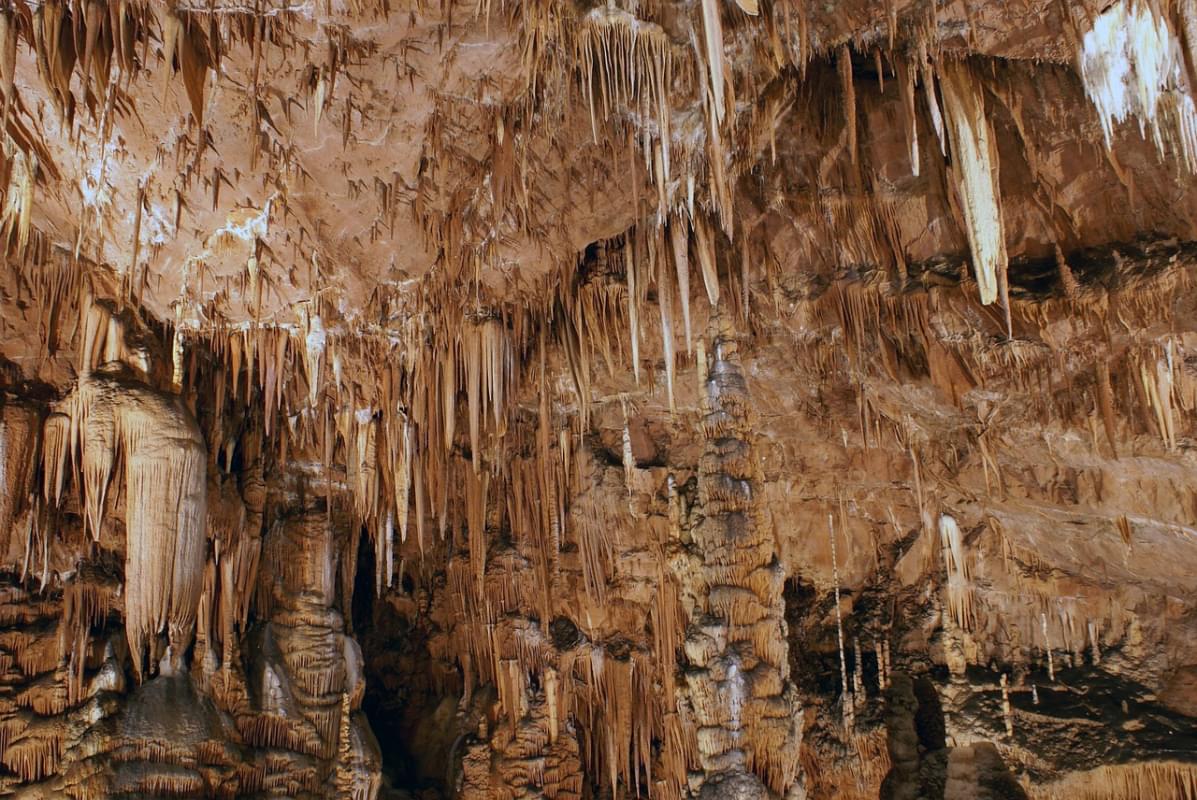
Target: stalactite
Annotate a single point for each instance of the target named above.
(16, 217)
(848, 90)
(165, 484)
(712, 27)
(476, 490)
(907, 75)
(956, 570)
(1132, 63)
(858, 688)
(1105, 399)
(1047, 646)
(706, 258)
(680, 246)
(19, 444)
(629, 460)
(927, 75)
(975, 155)
(633, 310)
(665, 305)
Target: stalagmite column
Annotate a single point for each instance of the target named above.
(1047, 646)
(736, 642)
(1007, 714)
(306, 676)
(846, 698)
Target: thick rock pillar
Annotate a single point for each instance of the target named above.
(737, 683)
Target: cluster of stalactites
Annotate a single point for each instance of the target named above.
(1137, 61)
(234, 522)
(622, 61)
(631, 65)
(111, 418)
(501, 597)
(396, 429)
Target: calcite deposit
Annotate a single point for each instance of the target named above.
(598, 399)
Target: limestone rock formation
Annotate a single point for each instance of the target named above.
(598, 399)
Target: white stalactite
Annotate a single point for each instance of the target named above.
(1133, 65)
(975, 162)
(956, 569)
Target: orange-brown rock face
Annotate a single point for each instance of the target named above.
(679, 399)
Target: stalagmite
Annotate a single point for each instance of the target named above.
(738, 669)
(629, 460)
(1007, 714)
(1047, 646)
(176, 359)
(887, 665)
(847, 707)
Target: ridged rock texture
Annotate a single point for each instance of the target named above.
(598, 399)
